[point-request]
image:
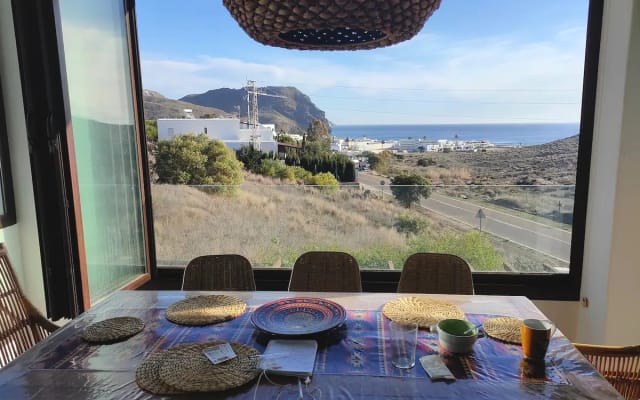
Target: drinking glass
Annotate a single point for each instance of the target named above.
(403, 338)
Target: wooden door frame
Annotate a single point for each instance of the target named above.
(51, 149)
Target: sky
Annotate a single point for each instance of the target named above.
(474, 61)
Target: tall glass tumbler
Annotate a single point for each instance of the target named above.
(404, 338)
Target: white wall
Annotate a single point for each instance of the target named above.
(21, 239)
(611, 269)
(622, 323)
(227, 130)
(223, 128)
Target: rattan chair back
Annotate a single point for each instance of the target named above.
(435, 273)
(21, 324)
(219, 272)
(620, 365)
(325, 271)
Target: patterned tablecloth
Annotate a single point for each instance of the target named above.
(353, 361)
(359, 347)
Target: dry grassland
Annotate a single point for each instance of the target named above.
(270, 224)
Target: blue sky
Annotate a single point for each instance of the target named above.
(475, 61)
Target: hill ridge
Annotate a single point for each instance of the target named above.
(292, 114)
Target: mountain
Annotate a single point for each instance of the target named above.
(292, 114)
(157, 106)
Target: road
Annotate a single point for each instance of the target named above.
(542, 238)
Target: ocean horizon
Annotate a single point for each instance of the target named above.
(501, 134)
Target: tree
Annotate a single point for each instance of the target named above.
(197, 160)
(250, 157)
(408, 188)
(222, 165)
(282, 137)
(408, 224)
(317, 141)
(151, 129)
(379, 162)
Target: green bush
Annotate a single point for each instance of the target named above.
(325, 181)
(380, 162)
(269, 167)
(301, 174)
(409, 188)
(339, 165)
(286, 174)
(474, 247)
(151, 129)
(409, 224)
(251, 158)
(198, 160)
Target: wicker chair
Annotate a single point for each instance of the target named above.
(325, 271)
(435, 273)
(21, 324)
(618, 364)
(219, 272)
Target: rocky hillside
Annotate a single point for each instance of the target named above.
(545, 164)
(551, 163)
(293, 113)
(157, 106)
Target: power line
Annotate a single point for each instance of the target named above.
(443, 116)
(308, 84)
(445, 101)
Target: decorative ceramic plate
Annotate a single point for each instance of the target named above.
(298, 316)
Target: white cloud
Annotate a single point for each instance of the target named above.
(482, 70)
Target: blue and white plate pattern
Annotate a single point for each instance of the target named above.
(298, 316)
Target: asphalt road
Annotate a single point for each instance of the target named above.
(542, 238)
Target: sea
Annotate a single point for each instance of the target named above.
(499, 134)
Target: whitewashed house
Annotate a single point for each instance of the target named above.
(229, 130)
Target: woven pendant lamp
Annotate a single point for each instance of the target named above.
(331, 24)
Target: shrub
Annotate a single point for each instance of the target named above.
(151, 129)
(409, 224)
(408, 188)
(197, 160)
(269, 167)
(325, 181)
(339, 165)
(251, 158)
(425, 162)
(301, 174)
(474, 247)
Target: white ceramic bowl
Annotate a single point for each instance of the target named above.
(451, 338)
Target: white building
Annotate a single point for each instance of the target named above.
(229, 130)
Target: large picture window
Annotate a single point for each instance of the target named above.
(471, 138)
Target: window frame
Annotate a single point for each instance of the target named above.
(52, 158)
(539, 286)
(8, 211)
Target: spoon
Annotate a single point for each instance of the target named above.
(471, 329)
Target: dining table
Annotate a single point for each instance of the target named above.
(352, 361)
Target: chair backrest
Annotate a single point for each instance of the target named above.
(325, 271)
(436, 273)
(620, 365)
(219, 272)
(21, 325)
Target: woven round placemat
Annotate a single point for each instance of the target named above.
(187, 368)
(148, 374)
(204, 310)
(506, 329)
(112, 330)
(422, 311)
